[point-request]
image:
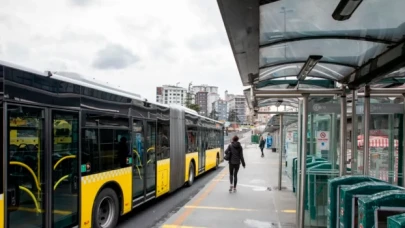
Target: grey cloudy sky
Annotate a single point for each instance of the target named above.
(132, 43)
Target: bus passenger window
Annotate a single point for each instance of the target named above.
(192, 143)
(90, 156)
(122, 153)
(163, 151)
(107, 158)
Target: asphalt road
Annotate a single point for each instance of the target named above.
(240, 134)
(154, 213)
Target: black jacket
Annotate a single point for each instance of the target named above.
(262, 142)
(236, 153)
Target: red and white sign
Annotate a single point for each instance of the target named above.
(322, 140)
(290, 137)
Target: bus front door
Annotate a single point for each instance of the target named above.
(43, 170)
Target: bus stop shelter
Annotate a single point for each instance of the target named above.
(338, 62)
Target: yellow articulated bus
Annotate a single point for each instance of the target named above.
(81, 154)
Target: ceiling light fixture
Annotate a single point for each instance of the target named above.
(308, 66)
(345, 9)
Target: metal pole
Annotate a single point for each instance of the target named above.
(332, 143)
(391, 148)
(312, 146)
(343, 142)
(403, 149)
(280, 159)
(354, 132)
(299, 148)
(366, 152)
(303, 162)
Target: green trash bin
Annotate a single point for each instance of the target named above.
(349, 195)
(382, 201)
(295, 172)
(396, 221)
(317, 179)
(254, 139)
(310, 165)
(333, 195)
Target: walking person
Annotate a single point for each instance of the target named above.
(261, 144)
(234, 154)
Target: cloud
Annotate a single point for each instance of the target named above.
(139, 44)
(114, 56)
(80, 2)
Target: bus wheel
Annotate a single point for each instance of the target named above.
(105, 209)
(191, 175)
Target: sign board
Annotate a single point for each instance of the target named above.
(289, 137)
(322, 140)
(324, 108)
(381, 108)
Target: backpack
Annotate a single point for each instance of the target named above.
(227, 156)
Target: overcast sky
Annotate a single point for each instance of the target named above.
(132, 43)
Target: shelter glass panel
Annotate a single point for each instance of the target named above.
(289, 19)
(321, 70)
(348, 52)
(385, 131)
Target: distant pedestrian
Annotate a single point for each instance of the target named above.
(261, 144)
(234, 154)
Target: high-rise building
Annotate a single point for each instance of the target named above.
(238, 105)
(168, 94)
(212, 97)
(228, 96)
(204, 88)
(220, 106)
(201, 100)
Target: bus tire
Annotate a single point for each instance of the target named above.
(106, 209)
(191, 174)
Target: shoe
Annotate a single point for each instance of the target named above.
(230, 189)
(234, 189)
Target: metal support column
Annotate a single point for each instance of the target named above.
(354, 162)
(332, 154)
(391, 148)
(280, 160)
(303, 161)
(403, 149)
(343, 142)
(312, 143)
(366, 152)
(298, 169)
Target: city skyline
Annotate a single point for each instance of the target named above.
(206, 100)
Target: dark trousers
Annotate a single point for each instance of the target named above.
(233, 173)
(261, 148)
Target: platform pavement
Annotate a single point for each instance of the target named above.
(257, 202)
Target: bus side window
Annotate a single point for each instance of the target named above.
(90, 155)
(164, 142)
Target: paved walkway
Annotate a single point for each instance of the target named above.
(257, 202)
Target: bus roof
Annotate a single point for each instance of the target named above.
(78, 79)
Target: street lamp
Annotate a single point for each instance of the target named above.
(285, 11)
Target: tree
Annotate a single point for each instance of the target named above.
(214, 114)
(195, 107)
(233, 116)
